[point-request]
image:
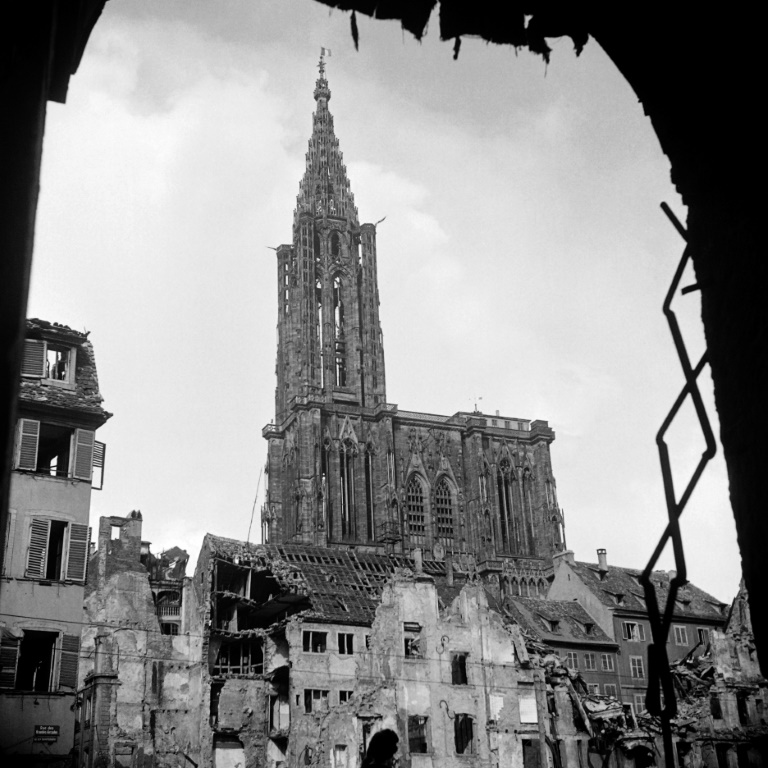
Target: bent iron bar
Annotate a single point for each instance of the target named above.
(660, 677)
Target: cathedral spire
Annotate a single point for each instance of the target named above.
(324, 191)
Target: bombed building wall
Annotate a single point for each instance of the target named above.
(140, 685)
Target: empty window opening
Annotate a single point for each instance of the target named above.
(53, 450)
(114, 532)
(444, 505)
(35, 665)
(169, 628)
(463, 734)
(339, 756)
(345, 696)
(315, 700)
(315, 642)
(742, 707)
(531, 753)
(55, 550)
(415, 511)
(412, 640)
(244, 657)
(459, 669)
(715, 709)
(703, 635)
(418, 738)
(346, 643)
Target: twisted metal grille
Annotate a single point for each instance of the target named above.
(660, 699)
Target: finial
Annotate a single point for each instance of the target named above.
(321, 64)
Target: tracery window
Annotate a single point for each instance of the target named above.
(339, 345)
(370, 499)
(414, 497)
(444, 509)
(347, 487)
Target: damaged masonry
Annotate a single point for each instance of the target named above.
(296, 655)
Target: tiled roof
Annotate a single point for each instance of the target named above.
(620, 588)
(556, 621)
(85, 396)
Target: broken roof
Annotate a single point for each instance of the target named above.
(620, 588)
(85, 396)
(340, 585)
(556, 621)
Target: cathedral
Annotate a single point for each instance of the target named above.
(348, 469)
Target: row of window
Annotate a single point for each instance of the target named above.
(590, 661)
(635, 631)
(317, 642)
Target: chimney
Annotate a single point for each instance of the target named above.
(418, 564)
(449, 569)
(602, 561)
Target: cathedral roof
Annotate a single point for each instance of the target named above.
(324, 189)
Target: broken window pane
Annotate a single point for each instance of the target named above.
(315, 700)
(418, 742)
(314, 642)
(463, 734)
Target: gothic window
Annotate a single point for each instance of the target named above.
(414, 497)
(503, 480)
(340, 345)
(370, 499)
(444, 509)
(335, 244)
(347, 488)
(319, 326)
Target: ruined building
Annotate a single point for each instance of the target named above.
(139, 694)
(346, 467)
(57, 462)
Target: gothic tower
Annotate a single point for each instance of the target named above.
(346, 468)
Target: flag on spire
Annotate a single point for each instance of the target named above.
(325, 51)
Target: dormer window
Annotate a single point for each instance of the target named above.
(588, 627)
(618, 598)
(552, 625)
(48, 361)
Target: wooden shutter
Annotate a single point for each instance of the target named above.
(27, 438)
(82, 455)
(9, 657)
(38, 547)
(78, 552)
(99, 454)
(70, 650)
(10, 534)
(33, 362)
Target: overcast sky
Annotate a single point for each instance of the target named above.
(524, 258)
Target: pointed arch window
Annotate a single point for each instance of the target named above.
(504, 483)
(416, 514)
(340, 367)
(319, 328)
(370, 499)
(347, 488)
(444, 511)
(335, 244)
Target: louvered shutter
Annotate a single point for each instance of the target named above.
(27, 438)
(99, 454)
(70, 650)
(78, 552)
(10, 533)
(9, 657)
(33, 362)
(82, 455)
(38, 545)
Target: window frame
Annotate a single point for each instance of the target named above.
(629, 635)
(607, 662)
(572, 659)
(637, 664)
(590, 661)
(613, 690)
(65, 653)
(35, 363)
(74, 554)
(310, 698)
(463, 723)
(459, 668)
(423, 733)
(681, 634)
(308, 641)
(346, 642)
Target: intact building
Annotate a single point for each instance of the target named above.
(57, 462)
(348, 468)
